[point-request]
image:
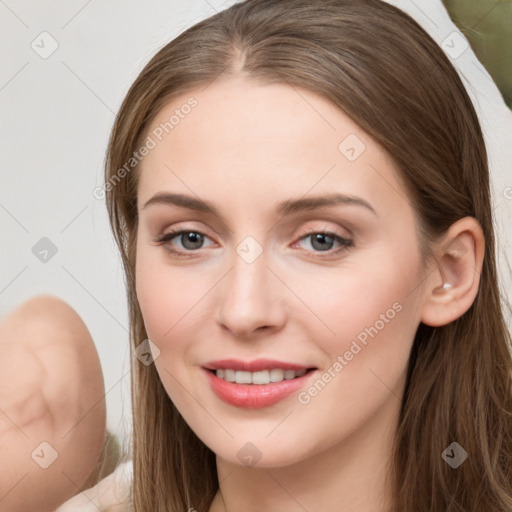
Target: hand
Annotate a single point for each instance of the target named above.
(52, 408)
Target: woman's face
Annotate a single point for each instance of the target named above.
(299, 252)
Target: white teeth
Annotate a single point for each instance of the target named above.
(276, 375)
(243, 377)
(229, 375)
(260, 377)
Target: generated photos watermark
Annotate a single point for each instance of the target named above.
(152, 140)
(357, 345)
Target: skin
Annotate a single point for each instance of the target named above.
(51, 390)
(245, 148)
(112, 494)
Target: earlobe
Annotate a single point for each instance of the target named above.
(453, 286)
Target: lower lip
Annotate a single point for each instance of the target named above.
(254, 396)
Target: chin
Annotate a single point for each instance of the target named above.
(260, 454)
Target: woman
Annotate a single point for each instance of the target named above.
(300, 194)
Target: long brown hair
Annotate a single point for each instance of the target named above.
(382, 69)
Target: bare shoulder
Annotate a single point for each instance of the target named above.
(112, 494)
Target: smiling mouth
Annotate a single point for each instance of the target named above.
(255, 384)
(262, 377)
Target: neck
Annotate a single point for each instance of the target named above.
(351, 476)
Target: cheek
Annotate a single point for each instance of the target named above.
(162, 298)
(371, 318)
(366, 315)
(156, 294)
(169, 299)
(353, 300)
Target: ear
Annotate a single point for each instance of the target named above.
(452, 287)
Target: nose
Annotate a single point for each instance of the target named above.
(250, 299)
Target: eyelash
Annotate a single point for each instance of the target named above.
(345, 243)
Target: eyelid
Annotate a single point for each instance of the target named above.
(344, 241)
(173, 233)
(326, 230)
(180, 228)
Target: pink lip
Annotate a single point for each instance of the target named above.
(252, 366)
(253, 396)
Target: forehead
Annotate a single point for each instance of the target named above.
(241, 114)
(236, 137)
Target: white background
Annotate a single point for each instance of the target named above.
(56, 114)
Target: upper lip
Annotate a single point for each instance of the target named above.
(253, 366)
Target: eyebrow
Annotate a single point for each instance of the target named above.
(284, 208)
